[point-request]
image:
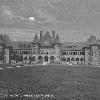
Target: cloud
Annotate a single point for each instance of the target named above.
(43, 17)
(8, 15)
(80, 16)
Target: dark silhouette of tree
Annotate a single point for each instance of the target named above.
(63, 59)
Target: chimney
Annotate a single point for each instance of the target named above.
(41, 35)
(53, 34)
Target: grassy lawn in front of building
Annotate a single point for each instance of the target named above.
(62, 81)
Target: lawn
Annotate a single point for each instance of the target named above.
(62, 81)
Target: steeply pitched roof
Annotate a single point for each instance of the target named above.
(36, 39)
(1, 40)
(47, 36)
(92, 41)
(57, 40)
(47, 39)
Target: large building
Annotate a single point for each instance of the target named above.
(47, 47)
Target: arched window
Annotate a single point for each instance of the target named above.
(52, 58)
(33, 58)
(46, 58)
(72, 59)
(73, 53)
(40, 58)
(68, 59)
(81, 59)
(77, 59)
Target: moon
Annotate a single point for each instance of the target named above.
(31, 18)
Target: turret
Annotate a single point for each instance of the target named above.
(57, 42)
(93, 48)
(6, 48)
(53, 35)
(36, 43)
(41, 37)
(57, 47)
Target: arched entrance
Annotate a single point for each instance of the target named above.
(40, 58)
(68, 59)
(46, 58)
(33, 58)
(52, 58)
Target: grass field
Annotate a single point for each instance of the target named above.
(62, 81)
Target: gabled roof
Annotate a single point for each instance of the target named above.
(57, 40)
(36, 39)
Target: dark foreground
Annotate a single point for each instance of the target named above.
(50, 82)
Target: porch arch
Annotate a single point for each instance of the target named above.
(40, 58)
(46, 58)
(52, 58)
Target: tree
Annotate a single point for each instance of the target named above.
(63, 59)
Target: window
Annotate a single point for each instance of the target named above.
(72, 59)
(69, 53)
(63, 53)
(77, 59)
(24, 46)
(52, 58)
(68, 59)
(28, 46)
(81, 59)
(40, 58)
(82, 53)
(25, 58)
(66, 53)
(78, 53)
(73, 53)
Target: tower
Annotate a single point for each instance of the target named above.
(93, 50)
(36, 43)
(87, 56)
(57, 48)
(2, 45)
(41, 37)
(8, 48)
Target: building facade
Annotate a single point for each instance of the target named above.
(47, 47)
